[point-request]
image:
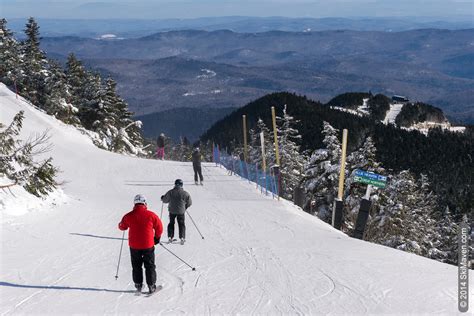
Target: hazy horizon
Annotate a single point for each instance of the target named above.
(187, 9)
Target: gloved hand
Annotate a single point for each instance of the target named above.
(157, 240)
(162, 197)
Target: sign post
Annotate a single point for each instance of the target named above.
(372, 179)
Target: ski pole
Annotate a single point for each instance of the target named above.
(194, 224)
(194, 269)
(161, 214)
(120, 255)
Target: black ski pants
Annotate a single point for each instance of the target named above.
(143, 257)
(181, 226)
(197, 170)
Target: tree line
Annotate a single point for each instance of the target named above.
(72, 94)
(429, 187)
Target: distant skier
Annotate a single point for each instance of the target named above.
(145, 232)
(179, 200)
(160, 150)
(196, 157)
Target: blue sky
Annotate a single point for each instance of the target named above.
(158, 9)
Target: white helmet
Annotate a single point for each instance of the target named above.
(139, 199)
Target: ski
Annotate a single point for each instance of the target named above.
(158, 288)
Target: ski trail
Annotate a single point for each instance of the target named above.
(393, 113)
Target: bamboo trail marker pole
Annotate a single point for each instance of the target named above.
(276, 172)
(275, 137)
(244, 125)
(264, 162)
(337, 210)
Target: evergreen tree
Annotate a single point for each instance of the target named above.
(76, 77)
(32, 82)
(91, 100)
(321, 175)
(182, 151)
(18, 163)
(401, 219)
(9, 56)
(117, 131)
(292, 162)
(58, 96)
(255, 149)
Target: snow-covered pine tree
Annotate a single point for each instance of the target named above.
(17, 161)
(31, 83)
(321, 175)
(442, 241)
(91, 100)
(291, 160)
(117, 131)
(401, 219)
(78, 82)
(365, 159)
(255, 151)
(445, 238)
(58, 96)
(9, 56)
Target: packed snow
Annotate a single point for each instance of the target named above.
(259, 255)
(392, 114)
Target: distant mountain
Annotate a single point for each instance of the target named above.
(180, 122)
(169, 69)
(133, 28)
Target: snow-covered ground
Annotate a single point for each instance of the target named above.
(392, 114)
(424, 127)
(364, 108)
(259, 255)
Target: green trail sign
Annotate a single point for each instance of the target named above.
(374, 179)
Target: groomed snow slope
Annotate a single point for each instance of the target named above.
(259, 255)
(392, 114)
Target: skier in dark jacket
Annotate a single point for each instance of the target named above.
(145, 232)
(196, 157)
(160, 150)
(179, 200)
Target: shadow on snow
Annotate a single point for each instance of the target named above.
(95, 236)
(54, 287)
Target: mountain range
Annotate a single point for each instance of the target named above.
(223, 69)
(134, 28)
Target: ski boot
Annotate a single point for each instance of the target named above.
(182, 241)
(151, 288)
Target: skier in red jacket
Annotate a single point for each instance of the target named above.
(145, 232)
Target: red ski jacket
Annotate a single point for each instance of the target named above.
(144, 225)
